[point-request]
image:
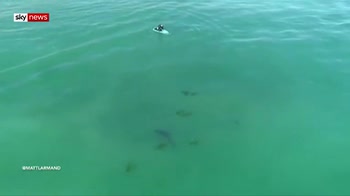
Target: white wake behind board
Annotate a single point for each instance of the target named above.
(162, 32)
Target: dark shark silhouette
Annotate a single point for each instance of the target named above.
(166, 135)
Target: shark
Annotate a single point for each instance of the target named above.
(166, 135)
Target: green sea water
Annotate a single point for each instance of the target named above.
(270, 113)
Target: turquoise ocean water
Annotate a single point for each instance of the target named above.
(270, 112)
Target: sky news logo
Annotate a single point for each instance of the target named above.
(31, 17)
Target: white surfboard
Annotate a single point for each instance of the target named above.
(162, 31)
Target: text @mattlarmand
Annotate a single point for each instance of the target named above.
(41, 168)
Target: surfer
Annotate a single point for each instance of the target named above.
(159, 27)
